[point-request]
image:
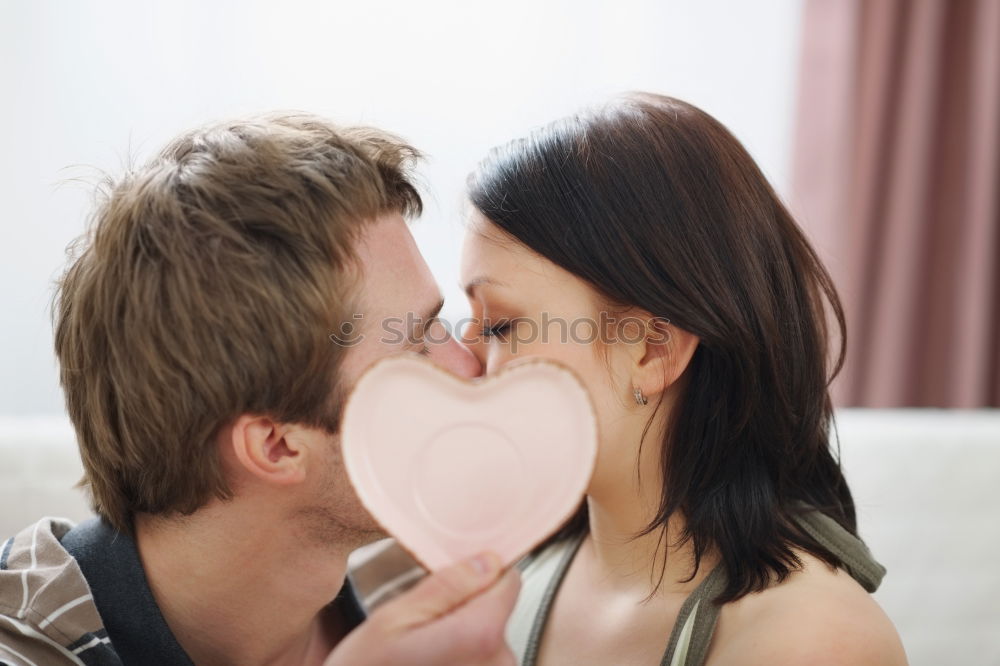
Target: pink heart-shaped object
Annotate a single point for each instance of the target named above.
(452, 467)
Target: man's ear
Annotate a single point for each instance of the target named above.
(662, 357)
(267, 449)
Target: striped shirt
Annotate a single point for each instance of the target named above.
(79, 595)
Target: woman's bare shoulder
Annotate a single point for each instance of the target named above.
(816, 616)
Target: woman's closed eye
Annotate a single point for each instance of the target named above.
(498, 329)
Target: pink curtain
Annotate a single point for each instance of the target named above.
(896, 179)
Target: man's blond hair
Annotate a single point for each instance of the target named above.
(208, 286)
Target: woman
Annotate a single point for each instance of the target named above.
(640, 244)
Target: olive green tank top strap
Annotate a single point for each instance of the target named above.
(545, 604)
(695, 624)
(852, 551)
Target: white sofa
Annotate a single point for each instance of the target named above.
(925, 482)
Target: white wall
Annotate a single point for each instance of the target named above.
(89, 83)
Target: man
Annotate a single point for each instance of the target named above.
(204, 334)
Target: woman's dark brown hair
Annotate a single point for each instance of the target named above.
(658, 206)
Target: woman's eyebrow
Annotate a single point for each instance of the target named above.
(471, 285)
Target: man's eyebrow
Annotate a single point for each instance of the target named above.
(481, 280)
(431, 315)
(420, 329)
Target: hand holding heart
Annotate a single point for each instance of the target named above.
(452, 468)
(456, 615)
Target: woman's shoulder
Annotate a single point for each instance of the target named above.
(818, 615)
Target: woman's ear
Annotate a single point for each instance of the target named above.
(267, 450)
(662, 357)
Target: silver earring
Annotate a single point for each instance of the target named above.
(640, 399)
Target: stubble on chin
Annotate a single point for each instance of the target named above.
(336, 517)
(324, 526)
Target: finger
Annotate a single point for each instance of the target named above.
(440, 593)
(476, 631)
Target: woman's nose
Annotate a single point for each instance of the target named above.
(455, 357)
(470, 340)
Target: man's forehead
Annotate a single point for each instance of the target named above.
(386, 240)
(395, 277)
